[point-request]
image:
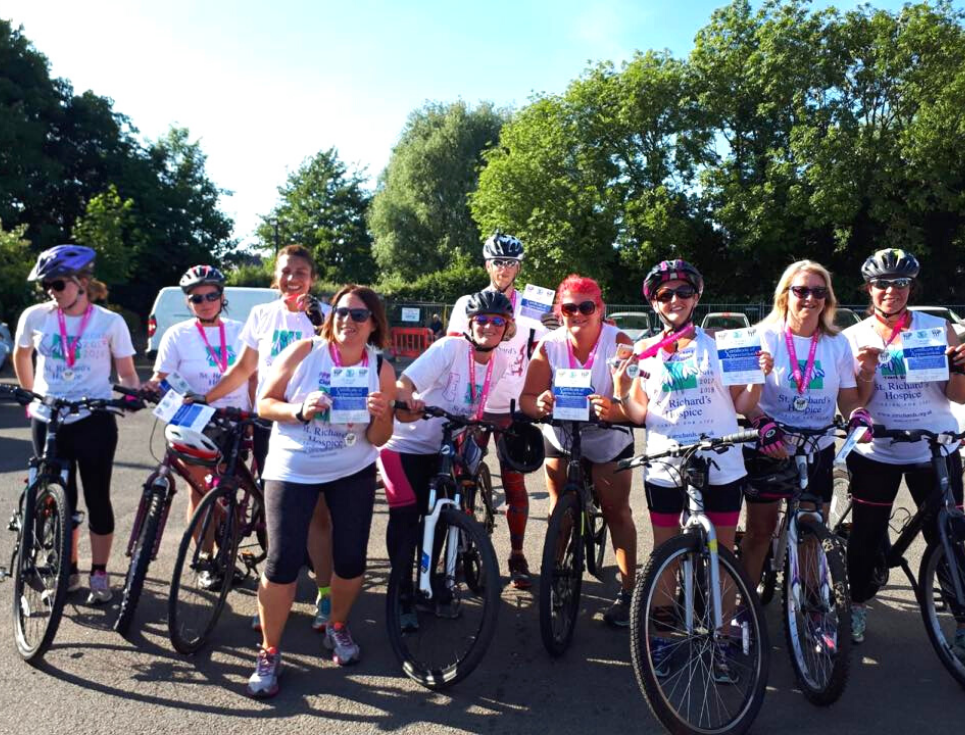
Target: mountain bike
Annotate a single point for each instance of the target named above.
(442, 603)
(44, 524)
(698, 638)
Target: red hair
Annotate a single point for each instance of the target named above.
(577, 284)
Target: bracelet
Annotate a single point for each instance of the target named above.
(619, 400)
(300, 415)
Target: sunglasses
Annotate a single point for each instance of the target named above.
(504, 262)
(197, 298)
(666, 294)
(586, 308)
(483, 320)
(802, 292)
(59, 285)
(358, 315)
(884, 284)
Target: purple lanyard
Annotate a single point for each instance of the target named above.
(220, 359)
(70, 350)
(486, 382)
(802, 381)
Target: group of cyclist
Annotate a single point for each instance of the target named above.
(320, 477)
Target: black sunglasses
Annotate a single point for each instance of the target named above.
(59, 285)
(197, 298)
(802, 292)
(483, 319)
(504, 262)
(883, 284)
(666, 294)
(586, 308)
(358, 315)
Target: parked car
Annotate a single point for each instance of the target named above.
(169, 308)
(719, 320)
(6, 344)
(635, 324)
(947, 314)
(844, 318)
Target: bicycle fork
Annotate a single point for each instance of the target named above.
(698, 519)
(428, 541)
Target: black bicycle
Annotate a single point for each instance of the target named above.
(44, 523)
(442, 604)
(940, 586)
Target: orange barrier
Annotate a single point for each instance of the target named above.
(409, 341)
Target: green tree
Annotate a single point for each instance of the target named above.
(15, 293)
(323, 206)
(109, 226)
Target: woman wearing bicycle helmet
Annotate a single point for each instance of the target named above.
(317, 449)
(585, 342)
(269, 330)
(895, 402)
(77, 345)
(456, 374)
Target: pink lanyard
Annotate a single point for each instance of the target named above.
(486, 382)
(655, 349)
(588, 365)
(337, 358)
(70, 350)
(802, 381)
(220, 359)
(903, 324)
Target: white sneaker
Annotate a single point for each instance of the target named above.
(338, 640)
(264, 682)
(74, 583)
(100, 588)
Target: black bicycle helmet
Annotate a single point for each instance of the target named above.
(62, 261)
(201, 275)
(771, 478)
(671, 270)
(521, 447)
(890, 263)
(503, 246)
(494, 303)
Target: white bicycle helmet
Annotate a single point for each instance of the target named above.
(191, 446)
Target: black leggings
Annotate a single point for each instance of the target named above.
(89, 445)
(288, 511)
(260, 439)
(406, 478)
(874, 487)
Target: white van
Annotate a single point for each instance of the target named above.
(170, 308)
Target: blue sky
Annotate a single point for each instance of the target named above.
(263, 85)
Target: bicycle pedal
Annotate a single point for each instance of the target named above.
(248, 559)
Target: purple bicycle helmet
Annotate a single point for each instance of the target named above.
(62, 261)
(671, 270)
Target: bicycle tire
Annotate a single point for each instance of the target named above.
(645, 623)
(482, 504)
(140, 560)
(839, 509)
(217, 512)
(431, 654)
(768, 584)
(935, 603)
(42, 572)
(561, 575)
(821, 683)
(598, 532)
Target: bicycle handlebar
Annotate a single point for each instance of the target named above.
(25, 397)
(429, 412)
(913, 435)
(686, 450)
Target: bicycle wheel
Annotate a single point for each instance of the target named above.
(439, 641)
(598, 530)
(696, 679)
(41, 572)
(140, 559)
(939, 608)
(839, 510)
(482, 499)
(817, 613)
(561, 575)
(204, 571)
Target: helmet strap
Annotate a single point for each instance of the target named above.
(476, 346)
(883, 315)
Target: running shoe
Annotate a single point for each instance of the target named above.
(264, 682)
(409, 621)
(859, 623)
(323, 611)
(519, 572)
(256, 622)
(73, 583)
(338, 640)
(958, 648)
(100, 588)
(723, 669)
(618, 614)
(660, 652)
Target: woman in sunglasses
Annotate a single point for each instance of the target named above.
(330, 399)
(269, 330)
(585, 342)
(810, 380)
(877, 468)
(77, 345)
(456, 373)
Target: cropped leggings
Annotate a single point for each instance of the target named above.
(89, 446)
(288, 512)
(406, 477)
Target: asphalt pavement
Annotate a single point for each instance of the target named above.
(94, 681)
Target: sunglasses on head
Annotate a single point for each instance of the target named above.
(59, 285)
(358, 315)
(586, 308)
(197, 298)
(504, 262)
(485, 319)
(883, 284)
(802, 292)
(683, 292)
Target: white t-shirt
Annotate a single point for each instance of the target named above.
(515, 350)
(687, 399)
(106, 337)
(441, 376)
(599, 445)
(182, 351)
(270, 329)
(898, 404)
(317, 451)
(833, 370)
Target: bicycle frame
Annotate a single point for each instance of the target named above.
(696, 521)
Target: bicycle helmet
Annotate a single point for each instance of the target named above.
(62, 261)
(671, 270)
(495, 303)
(770, 478)
(502, 246)
(522, 447)
(201, 275)
(191, 446)
(890, 262)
